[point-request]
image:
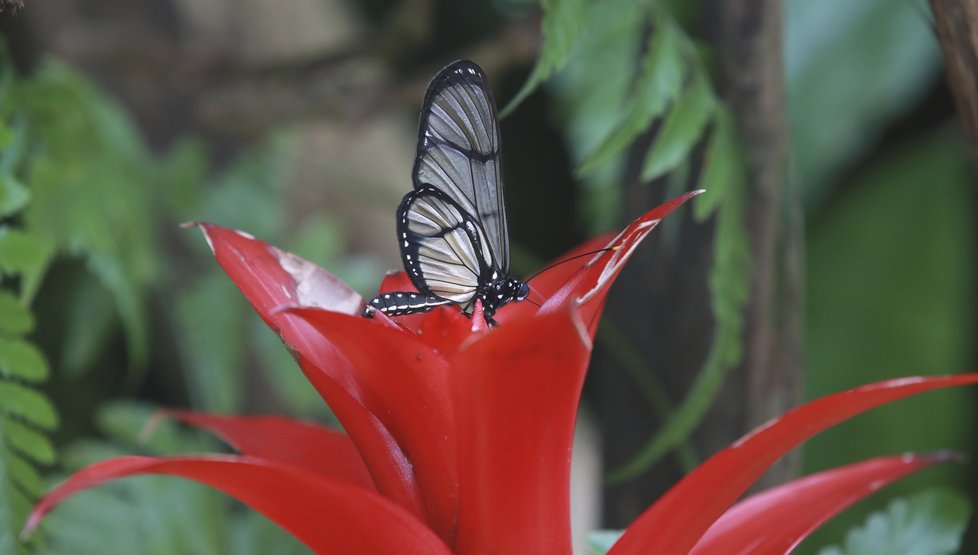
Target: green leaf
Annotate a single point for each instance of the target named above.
(29, 441)
(90, 320)
(131, 307)
(600, 541)
(682, 128)
(6, 135)
(20, 359)
(25, 475)
(13, 195)
(125, 422)
(723, 167)
(14, 317)
(589, 94)
(563, 22)
(27, 255)
(929, 523)
(253, 534)
(210, 323)
(27, 404)
(659, 81)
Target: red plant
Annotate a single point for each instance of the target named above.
(459, 437)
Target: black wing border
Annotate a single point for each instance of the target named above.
(408, 245)
(446, 77)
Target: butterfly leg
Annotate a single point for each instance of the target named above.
(398, 303)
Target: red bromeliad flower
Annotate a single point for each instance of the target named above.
(458, 437)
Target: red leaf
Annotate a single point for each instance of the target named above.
(270, 279)
(396, 281)
(388, 466)
(445, 329)
(405, 386)
(516, 391)
(777, 520)
(680, 518)
(327, 516)
(303, 444)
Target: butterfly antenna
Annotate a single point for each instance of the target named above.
(575, 257)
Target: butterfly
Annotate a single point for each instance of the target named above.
(451, 228)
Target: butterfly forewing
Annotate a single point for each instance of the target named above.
(458, 153)
(443, 248)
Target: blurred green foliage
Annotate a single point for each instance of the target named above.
(88, 222)
(852, 68)
(928, 523)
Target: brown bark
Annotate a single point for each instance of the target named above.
(749, 45)
(956, 22)
(670, 277)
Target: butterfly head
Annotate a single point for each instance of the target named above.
(519, 290)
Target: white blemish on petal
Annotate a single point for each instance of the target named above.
(248, 236)
(317, 287)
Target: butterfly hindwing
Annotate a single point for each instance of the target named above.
(444, 249)
(458, 152)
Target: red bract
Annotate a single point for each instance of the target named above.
(459, 437)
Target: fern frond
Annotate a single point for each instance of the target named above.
(636, 72)
(25, 412)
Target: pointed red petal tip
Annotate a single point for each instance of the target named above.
(680, 517)
(307, 445)
(326, 515)
(801, 506)
(590, 283)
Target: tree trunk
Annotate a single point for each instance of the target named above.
(748, 42)
(956, 22)
(669, 277)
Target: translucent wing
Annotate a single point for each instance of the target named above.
(458, 151)
(443, 248)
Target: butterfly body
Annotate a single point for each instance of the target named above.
(452, 227)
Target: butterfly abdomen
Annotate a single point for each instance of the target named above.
(400, 303)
